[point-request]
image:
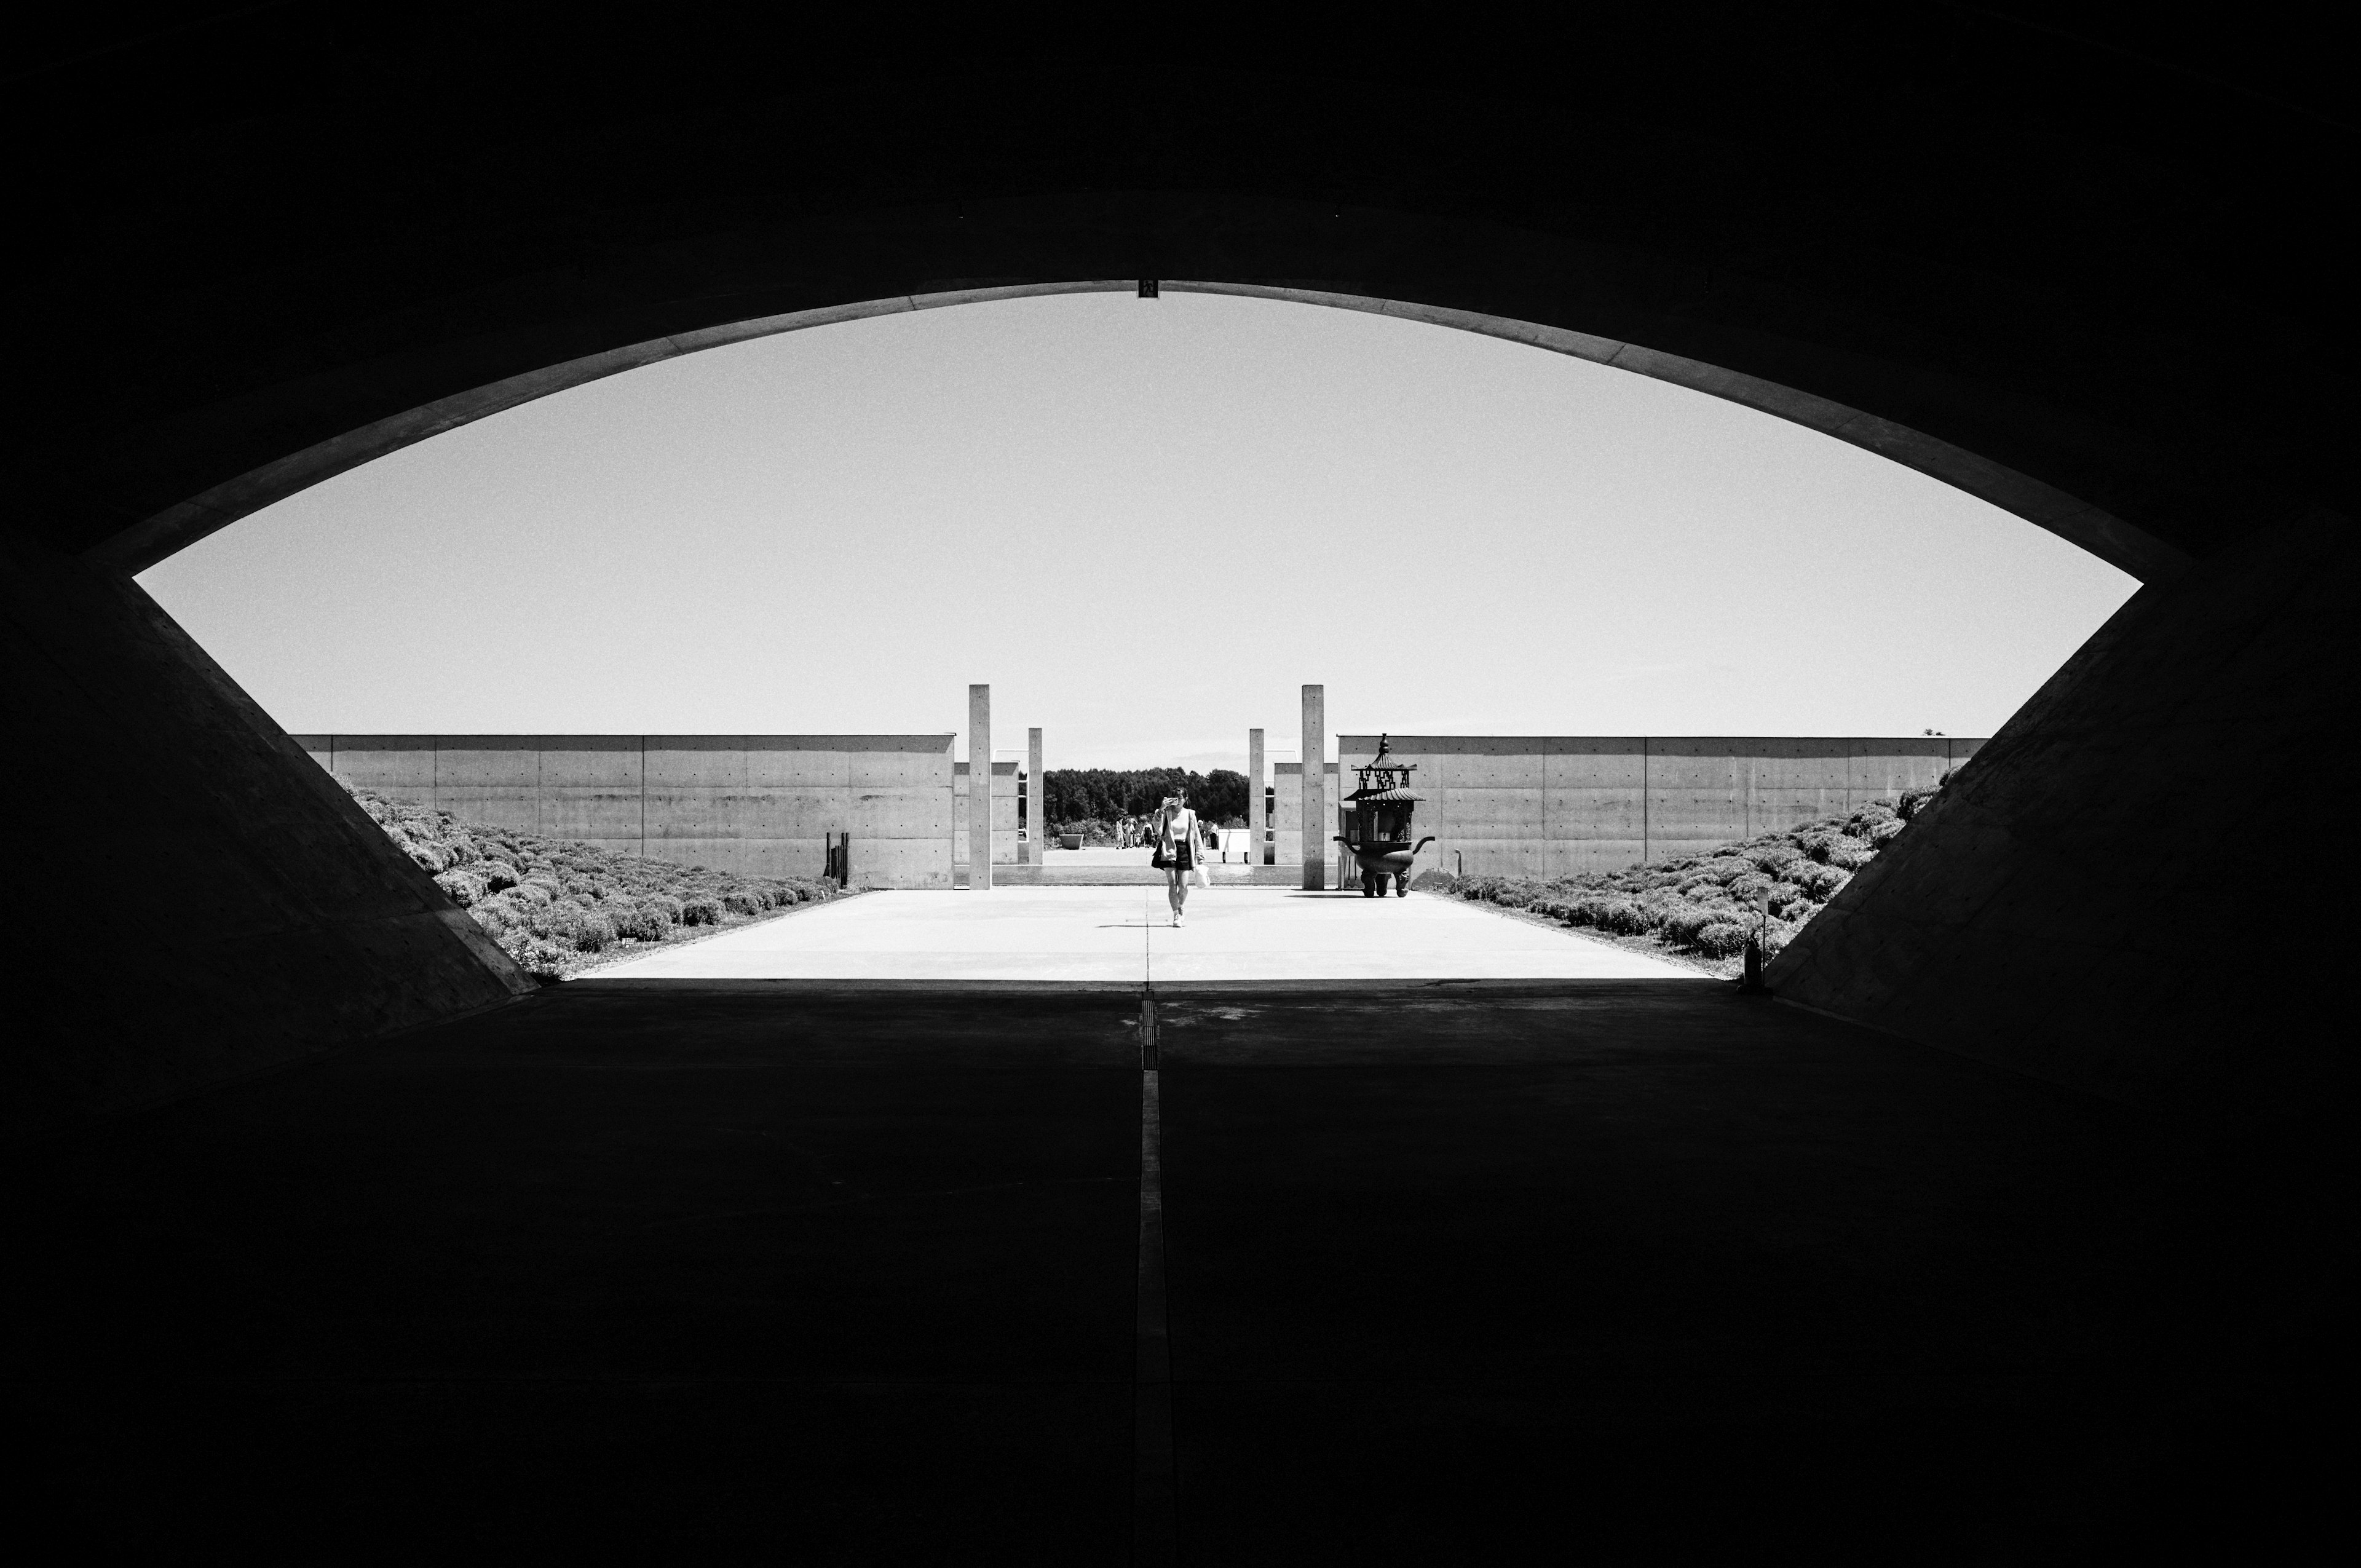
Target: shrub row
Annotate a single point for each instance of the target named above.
(1709, 903)
(555, 904)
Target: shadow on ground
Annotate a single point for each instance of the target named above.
(1626, 1268)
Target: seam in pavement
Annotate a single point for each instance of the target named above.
(1470, 985)
(1155, 1513)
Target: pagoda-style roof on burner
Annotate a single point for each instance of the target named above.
(1384, 781)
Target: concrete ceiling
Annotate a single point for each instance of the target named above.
(2102, 290)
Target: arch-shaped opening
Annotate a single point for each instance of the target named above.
(2009, 262)
(1954, 295)
(2110, 538)
(1878, 653)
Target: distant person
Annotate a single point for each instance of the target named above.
(1175, 836)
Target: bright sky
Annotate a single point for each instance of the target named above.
(1146, 523)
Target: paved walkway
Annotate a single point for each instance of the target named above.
(1122, 934)
(1643, 1271)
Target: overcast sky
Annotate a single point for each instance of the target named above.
(1146, 523)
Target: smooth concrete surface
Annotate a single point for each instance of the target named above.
(980, 839)
(199, 902)
(1133, 867)
(1561, 804)
(1003, 816)
(755, 805)
(1287, 804)
(1614, 1271)
(1099, 867)
(1312, 813)
(1036, 825)
(2058, 388)
(234, 307)
(2090, 902)
(1258, 808)
(1123, 934)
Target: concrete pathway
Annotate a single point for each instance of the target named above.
(698, 1272)
(1100, 856)
(1122, 934)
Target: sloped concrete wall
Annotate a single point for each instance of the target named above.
(757, 805)
(200, 904)
(1562, 804)
(2120, 891)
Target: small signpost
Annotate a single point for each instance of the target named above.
(1752, 981)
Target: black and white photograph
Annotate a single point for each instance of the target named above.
(1511, 786)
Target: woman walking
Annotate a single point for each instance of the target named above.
(1176, 852)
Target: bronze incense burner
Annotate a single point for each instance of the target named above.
(1378, 825)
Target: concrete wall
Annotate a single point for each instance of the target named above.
(179, 391)
(199, 903)
(758, 804)
(1557, 804)
(1286, 778)
(2110, 894)
(1004, 813)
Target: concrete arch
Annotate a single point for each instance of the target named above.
(2089, 267)
(2105, 296)
(2134, 552)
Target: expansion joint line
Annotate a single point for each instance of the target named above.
(1155, 1514)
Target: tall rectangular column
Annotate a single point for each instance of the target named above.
(1037, 801)
(1257, 809)
(979, 787)
(1317, 822)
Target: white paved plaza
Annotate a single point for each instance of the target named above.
(1123, 935)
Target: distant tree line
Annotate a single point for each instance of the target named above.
(1102, 794)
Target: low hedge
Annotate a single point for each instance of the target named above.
(1709, 903)
(555, 904)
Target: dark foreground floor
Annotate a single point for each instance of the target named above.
(1624, 1271)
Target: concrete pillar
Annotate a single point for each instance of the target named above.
(979, 787)
(1257, 818)
(1317, 822)
(1036, 795)
(1336, 784)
